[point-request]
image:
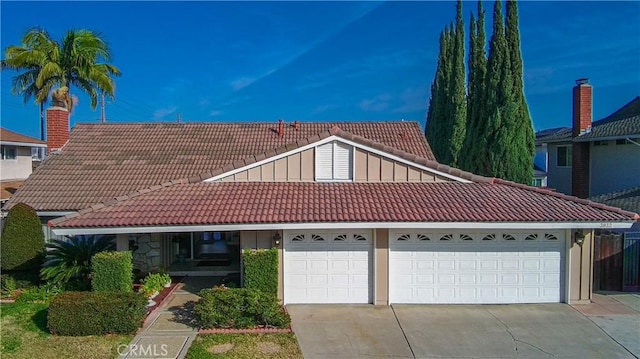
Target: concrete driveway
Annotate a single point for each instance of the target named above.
(450, 331)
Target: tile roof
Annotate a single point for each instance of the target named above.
(625, 122)
(8, 188)
(102, 161)
(553, 134)
(628, 199)
(10, 136)
(220, 203)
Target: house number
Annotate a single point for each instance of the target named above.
(606, 225)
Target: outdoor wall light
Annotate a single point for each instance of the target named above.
(276, 239)
(578, 236)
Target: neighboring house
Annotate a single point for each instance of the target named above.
(19, 154)
(360, 212)
(593, 158)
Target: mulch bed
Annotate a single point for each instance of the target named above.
(244, 331)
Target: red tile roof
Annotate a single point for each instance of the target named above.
(102, 161)
(10, 136)
(308, 202)
(8, 188)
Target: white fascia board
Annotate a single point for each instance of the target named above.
(347, 225)
(340, 139)
(23, 144)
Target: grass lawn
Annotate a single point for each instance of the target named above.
(23, 333)
(245, 346)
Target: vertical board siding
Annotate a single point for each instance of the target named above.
(368, 167)
(631, 262)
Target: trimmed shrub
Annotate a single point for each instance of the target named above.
(261, 270)
(22, 241)
(239, 308)
(112, 272)
(96, 313)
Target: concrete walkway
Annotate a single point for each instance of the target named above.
(170, 330)
(618, 315)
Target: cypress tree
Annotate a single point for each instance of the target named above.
(521, 169)
(458, 107)
(496, 96)
(438, 103)
(476, 89)
(446, 117)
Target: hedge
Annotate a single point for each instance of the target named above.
(261, 269)
(96, 313)
(112, 272)
(239, 308)
(22, 242)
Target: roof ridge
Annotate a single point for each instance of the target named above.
(575, 199)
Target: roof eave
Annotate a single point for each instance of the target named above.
(344, 225)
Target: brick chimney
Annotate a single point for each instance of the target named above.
(582, 107)
(582, 120)
(57, 128)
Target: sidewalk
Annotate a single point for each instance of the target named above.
(169, 331)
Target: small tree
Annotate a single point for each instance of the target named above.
(70, 259)
(22, 240)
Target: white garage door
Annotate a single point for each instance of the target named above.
(476, 268)
(327, 267)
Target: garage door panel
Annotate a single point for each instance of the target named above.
(465, 269)
(326, 267)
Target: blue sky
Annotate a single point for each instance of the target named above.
(321, 61)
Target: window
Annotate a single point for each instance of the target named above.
(564, 156)
(537, 182)
(600, 143)
(8, 152)
(404, 237)
(334, 161)
(423, 237)
(623, 141)
(37, 153)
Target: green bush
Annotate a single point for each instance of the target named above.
(222, 307)
(261, 269)
(96, 313)
(112, 272)
(22, 241)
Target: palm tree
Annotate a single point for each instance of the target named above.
(79, 60)
(70, 259)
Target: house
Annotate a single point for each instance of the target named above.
(19, 155)
(359, 212)
(593, 158)
(601, 160)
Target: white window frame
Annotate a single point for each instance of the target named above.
(333, 178)
(568, 158)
